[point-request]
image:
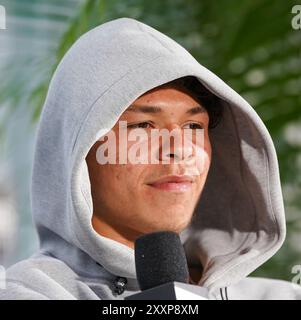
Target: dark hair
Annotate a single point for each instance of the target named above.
(206, 98)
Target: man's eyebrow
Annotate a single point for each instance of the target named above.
(154, 109)
(196, 110)
(144, 109)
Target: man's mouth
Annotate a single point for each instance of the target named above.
(173, 183)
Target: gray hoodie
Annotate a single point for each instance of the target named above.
(238, 224)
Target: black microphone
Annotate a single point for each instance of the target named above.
(162, 270)
(160, 258)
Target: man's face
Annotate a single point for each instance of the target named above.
(129, 199)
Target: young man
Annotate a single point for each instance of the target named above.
(229, 216)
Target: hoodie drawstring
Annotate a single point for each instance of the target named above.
(120, 284)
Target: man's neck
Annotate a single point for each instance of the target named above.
(111, 232)
(126, 237)
(195, 274)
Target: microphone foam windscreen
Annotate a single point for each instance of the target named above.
(160, 258)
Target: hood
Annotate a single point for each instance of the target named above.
(239, 221)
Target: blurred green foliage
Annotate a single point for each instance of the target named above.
(250, 44)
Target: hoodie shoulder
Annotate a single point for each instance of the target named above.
(37, 279)
(15, 291)
(255, 288)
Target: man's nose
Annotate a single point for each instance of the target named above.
(176, 148)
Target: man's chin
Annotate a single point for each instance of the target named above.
(167, 225)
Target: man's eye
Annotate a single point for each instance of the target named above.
(143, 125)
(193, 125)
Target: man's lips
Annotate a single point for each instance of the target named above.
(173, 183)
